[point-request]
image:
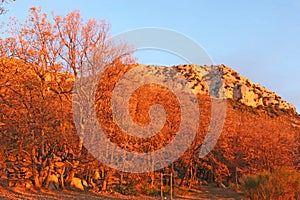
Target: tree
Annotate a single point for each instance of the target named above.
(42, 58)
(2, 8)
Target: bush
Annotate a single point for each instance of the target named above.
(280, 184)
(180, 191)
(150, 191)
(128, 190)
(235, 187)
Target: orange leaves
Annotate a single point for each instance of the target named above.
(67, 40)
(50, 47)
(36, 84)
(33, 8)
(37, 96)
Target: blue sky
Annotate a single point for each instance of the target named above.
(259, 39)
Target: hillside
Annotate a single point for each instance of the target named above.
(41, 149)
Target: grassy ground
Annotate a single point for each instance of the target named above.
(205, 192)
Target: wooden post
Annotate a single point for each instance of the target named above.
(153, 171)
(171, 185)
(161, 186)
(236, 179)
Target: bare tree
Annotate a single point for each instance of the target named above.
(2, 8)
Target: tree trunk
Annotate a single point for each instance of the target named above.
(105, 181)
(121, 178)
(152, 178)
(182, 179)
(36, 178)
(191, 177)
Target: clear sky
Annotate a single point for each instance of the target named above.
(259, 38)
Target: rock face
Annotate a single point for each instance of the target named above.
(208, 80)
(236, 87)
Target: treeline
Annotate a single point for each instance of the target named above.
(41, 147)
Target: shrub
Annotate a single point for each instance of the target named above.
(235, 187)
(180, 191)
(280, 184)
(128, 190)
(150, 191)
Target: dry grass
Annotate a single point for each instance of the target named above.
(280, 184)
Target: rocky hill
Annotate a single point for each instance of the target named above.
(40, 146)
(252, 111)
(236, 87)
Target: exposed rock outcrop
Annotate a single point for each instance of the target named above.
(208, 80)
(236, 87)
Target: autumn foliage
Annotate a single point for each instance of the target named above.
(41, 58)
(279, 184)
(39, 62)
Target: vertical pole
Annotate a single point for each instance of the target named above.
(171, 185)
(153, 171)
(236, 179)
(161, 186)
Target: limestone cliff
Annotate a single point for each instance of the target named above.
(236, 87)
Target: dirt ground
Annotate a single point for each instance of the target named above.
(206, 192)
